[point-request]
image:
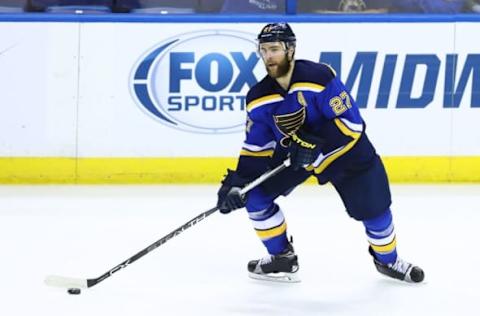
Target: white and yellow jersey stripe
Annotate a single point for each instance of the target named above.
(268, 99)
(306, 86)
(348, 128)
(258, 151)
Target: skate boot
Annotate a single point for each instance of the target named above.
(400, 269)
(280, 268)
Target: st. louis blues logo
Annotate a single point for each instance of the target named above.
(197, 82)
(289, 123)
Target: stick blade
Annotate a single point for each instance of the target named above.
(64, 282)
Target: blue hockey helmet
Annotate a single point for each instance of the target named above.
(277, 32)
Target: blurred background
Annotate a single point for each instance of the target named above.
(244, 6)
(153, 91)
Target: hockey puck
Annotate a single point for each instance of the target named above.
(74, 291)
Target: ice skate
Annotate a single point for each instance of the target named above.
(400, 269)
(279, 268)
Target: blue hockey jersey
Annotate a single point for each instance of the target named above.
(317, 100)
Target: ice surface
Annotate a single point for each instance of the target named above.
(83, 231)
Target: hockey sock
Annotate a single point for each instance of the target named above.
(381, 236)
(271, 227)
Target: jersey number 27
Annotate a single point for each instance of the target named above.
(341, 103)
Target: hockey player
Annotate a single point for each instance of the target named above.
(303, 111)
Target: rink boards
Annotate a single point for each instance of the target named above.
(153, 102)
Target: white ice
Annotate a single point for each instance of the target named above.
(83, 231)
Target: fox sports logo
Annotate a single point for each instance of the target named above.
(197, 82)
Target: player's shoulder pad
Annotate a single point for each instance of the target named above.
(261, 94)
(315, 73)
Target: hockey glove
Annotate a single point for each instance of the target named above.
(304, 148)
(229, 197)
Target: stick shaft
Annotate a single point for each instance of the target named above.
(265, 176)
(153, 246)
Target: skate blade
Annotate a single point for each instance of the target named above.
(283, 277)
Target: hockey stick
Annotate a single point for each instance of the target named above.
(74, 284)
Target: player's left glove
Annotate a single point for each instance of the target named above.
(304, 148)
(229, 197)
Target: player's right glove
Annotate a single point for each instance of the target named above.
(304, 148)
(229, 197)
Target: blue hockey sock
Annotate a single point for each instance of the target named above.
(381, 236)
(271, 227)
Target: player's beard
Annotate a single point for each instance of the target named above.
(279, 70)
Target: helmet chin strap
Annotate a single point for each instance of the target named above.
(287, 54)
(288, 57)
(289, 46)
